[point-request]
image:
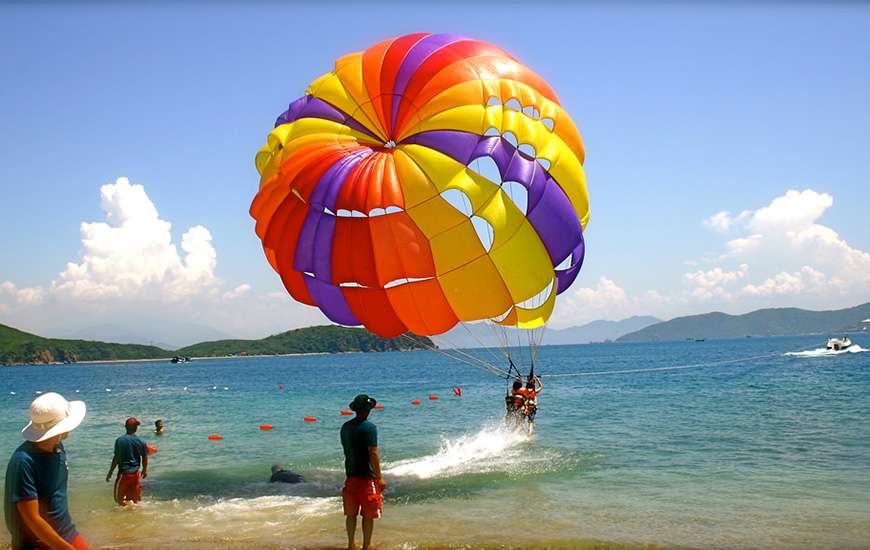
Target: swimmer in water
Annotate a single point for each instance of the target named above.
(280, 475)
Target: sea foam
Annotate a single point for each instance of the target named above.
(491, 448)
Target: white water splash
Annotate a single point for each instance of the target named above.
(823, 352)
(492, 448)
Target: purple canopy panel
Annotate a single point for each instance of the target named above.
(527, 172)
(325, 192)
(314, 248)
(331, 302)
(457, 145)
(565, 278)
(313, 107)
(413, 59)
(556, 223)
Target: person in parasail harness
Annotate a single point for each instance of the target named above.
(515, 403)
(530, 409)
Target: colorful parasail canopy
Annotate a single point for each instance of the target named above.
(428, 180)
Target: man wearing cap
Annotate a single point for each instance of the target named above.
(131, 452)
(362, 464)
(36, 506)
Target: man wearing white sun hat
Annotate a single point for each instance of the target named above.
(36, 506)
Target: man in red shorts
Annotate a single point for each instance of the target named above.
(35, 502)
(362, 464)
(131, 452)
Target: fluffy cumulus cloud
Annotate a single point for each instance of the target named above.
(714, 283)
(790, 252)
(130, 267)
(131, 254)
(606, 300)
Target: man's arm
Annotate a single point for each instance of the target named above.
(145, 465)
(112, 468)
(375, 459)
(36, 524)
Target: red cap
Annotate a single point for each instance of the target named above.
(132, 422)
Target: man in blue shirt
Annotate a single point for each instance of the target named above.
(35, 500)
(362, 464)
(131, 452)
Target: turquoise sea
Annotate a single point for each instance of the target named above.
(757, 450)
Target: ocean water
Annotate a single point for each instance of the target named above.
(760, 449)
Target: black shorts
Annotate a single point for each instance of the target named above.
(530, 414)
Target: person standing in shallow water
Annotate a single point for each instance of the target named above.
(131, 452)
(362, 464)
(35, 500)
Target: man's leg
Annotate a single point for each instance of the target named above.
(350, 525)
(368, 527)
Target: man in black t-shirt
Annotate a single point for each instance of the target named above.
(362, 465)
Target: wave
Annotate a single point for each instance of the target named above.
(491, 449)
(823, 352)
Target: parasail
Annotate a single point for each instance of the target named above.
(426, 181)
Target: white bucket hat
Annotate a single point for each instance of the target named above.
(51, 415)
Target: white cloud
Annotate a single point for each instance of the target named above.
(805, 280)
(794, 210)
(707, 285)
(792, 252)
(27, 296)
(131, 273)
(607, 300)
(721, 222)
(132, 255)
(238, 292)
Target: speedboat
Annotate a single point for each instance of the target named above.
(837, 344)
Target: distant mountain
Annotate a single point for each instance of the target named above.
(17, 346)
(165, 332)
(763, 322)
(323, 339)
(599, 331)
(478, 335)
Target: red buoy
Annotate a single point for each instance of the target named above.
(215, 437)
(415, 401)
(457, 391)
(265, 427)
(151, 449)
(379, 407)
(309, 418)
(433, 397)
(345, 412)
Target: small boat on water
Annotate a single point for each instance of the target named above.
(839, 344)
(180, 359)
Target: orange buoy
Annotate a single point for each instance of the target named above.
(345, 412)
(215, 437)
(433, 397)
(415, 401)
(151, 449)
(457, 391)
(379, 407)
(265, 427)
(309, 418)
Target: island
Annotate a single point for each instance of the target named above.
(19, 347)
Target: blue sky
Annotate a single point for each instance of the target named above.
(686, 111)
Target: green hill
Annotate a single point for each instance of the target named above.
(17, 346)
(322, 339)
(763, 322)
